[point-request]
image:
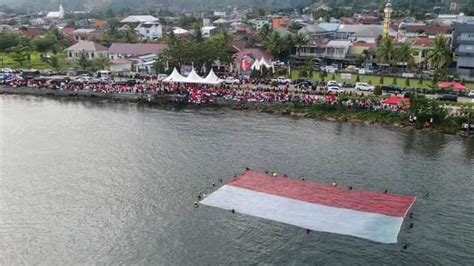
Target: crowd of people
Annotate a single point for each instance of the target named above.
(202, 94)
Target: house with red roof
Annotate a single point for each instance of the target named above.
(421, 50)
(32, 32)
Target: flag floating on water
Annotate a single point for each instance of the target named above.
(370, 215)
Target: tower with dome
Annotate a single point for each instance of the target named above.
(387, 19)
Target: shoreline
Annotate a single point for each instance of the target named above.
(319, 112)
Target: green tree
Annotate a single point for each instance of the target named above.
(394, 81)
(159, 65)
(386, 51)
(300, 40)
(273, 44)
(404, 54)
(54, 61)
(20, 54)
(358, 78)
(420, 80)
(378, 90)
(130, 36)
(441, 54)
(102, 62)
(43, 45)
(309, 67)
(197, 33)
(407, 82)
(322, 76)
(381, 81)
(265, 31)
(83, 61)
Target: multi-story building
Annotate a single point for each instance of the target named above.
(465, 55)
(463, 43)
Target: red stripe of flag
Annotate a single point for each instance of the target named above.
(374, 202)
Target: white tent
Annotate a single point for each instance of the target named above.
(174, 77)
(212, 78)
(256, 65)
(193, 77)
(263, 62)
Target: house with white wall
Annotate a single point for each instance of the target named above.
(150, 30)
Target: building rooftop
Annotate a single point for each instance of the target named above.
(139, 19)
(87, 46)
(137, 48)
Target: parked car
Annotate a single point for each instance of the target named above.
(471, 94)
(335, 89)
(333, 83)
(352, 69)
(282, 81)
(362, 86)
(391, 89)
(161, 76)
(231, 81)
(448, 97)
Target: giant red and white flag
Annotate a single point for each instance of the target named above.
(370, 215)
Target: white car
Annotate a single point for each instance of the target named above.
(335, 89)
(333, 83)
(471, 94)
(231, 81)
(282, 80)
(362, 86)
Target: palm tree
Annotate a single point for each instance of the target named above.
(404, 54)
(53, 61)
(102, 62)
(273, 43)
(441, 54)
(368, 53)
(83, 62)
(300, 40)
(386, 51)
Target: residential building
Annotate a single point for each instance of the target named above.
(257, 24)
(127, 50)
(322, 31)
(121, 65)
(208, 31)
(280, 22)
(465, 55)
(421, 50)
(463, 44)
(463, 24)
(360, 32)
(150, 30)
(88, 34)
(139, 19)
(37, 22)
(91, 49)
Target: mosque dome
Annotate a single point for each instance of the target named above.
(402, 26)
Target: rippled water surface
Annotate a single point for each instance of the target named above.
(93, 182)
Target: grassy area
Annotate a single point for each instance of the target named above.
(35, 62)
(375, 80)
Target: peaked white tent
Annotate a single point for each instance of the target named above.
(256, 65)
(212, 78)
(174, 77)
(193, 77)
(263, 62)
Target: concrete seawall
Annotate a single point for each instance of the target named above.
(66, 93)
